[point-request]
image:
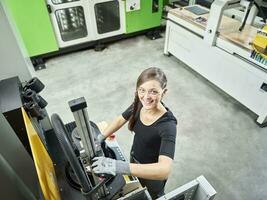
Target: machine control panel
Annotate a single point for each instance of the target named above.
(118, 153)
(113, 144)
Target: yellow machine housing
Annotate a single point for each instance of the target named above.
(43, 163)
(260, 42)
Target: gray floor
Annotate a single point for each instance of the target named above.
(217, 136)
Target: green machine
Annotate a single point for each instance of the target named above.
(53, 27)
(32, 22)
(148, 16)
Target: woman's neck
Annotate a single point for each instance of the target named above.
(154, 111)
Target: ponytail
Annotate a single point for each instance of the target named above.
(136, 107)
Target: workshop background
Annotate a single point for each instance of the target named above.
(217, 136)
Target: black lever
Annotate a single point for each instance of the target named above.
(246, 16)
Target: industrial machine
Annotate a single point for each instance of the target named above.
(77, 22)
(53, 27)
(220, 48)
(62, 153)
(29, 129)
(80, 146)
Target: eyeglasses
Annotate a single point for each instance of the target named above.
(142, 92)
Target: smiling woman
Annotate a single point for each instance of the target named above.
(154, 126)
(154, 81)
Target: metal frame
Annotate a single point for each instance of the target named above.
(85, 130)
(216, 13)
(198, 189)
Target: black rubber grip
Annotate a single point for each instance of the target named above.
(68, 150)
(77, 104)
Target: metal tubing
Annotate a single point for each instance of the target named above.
(85, 131)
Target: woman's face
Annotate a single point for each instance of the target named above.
(150, 94)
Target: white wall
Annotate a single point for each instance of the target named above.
(12, 60)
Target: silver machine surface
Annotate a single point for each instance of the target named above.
(198, 189)
(84, 127)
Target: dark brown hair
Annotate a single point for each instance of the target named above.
(151, 73)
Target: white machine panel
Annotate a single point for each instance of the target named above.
(132, 5)
(233, 73)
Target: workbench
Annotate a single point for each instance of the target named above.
(227, 64)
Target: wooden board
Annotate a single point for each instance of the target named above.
(228, 29)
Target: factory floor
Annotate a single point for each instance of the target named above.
(217, 136)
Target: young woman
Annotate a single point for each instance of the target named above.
(155, 132)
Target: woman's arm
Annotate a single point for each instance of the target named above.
(115, 125)
(154, 171)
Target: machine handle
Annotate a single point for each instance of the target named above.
(49, 9)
